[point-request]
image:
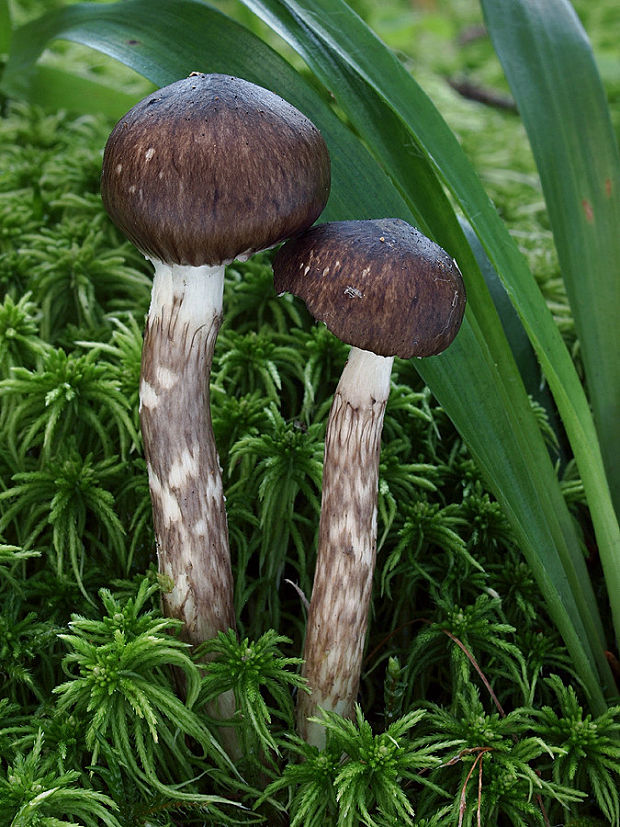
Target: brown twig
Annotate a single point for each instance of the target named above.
(458, 643)
(489, 97)
(477, 760)
(474, 663)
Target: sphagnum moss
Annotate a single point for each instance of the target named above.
(116, 654)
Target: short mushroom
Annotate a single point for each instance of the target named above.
(206, 170)
(387, 290)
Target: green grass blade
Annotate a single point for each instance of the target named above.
(476, 380)
(551, 70)
(56, 88)
(365, 78)
(5, 27)
(138, 33)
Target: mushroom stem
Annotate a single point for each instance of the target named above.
(183, 466)
(338, 615)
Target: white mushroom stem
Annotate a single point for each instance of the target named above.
(185, 478)
(338, 615)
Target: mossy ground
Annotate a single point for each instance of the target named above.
(453, 600)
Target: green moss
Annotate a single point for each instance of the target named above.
(456, 611)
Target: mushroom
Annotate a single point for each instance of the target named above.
(387, 290)
(206, 170)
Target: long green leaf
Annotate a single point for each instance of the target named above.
(5, 27)
(364, 76)
(476, 380)
(139, 34)
(551, 70)
(57, 88)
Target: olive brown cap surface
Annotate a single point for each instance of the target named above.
(211, 168)
(379, 285)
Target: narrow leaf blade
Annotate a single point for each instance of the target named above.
(352, 62)
(551, 70)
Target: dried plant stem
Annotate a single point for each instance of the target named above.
(338, 613)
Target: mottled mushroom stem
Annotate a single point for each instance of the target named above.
(185, 479)
(338, 615)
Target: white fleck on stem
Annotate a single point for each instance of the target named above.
(338, 615)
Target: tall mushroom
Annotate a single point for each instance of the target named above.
(206, 170)
(387, 290)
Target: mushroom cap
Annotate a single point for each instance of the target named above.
(377, 284)
(211, 168)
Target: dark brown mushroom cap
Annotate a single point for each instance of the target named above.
(377, 284)
(212, 167)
